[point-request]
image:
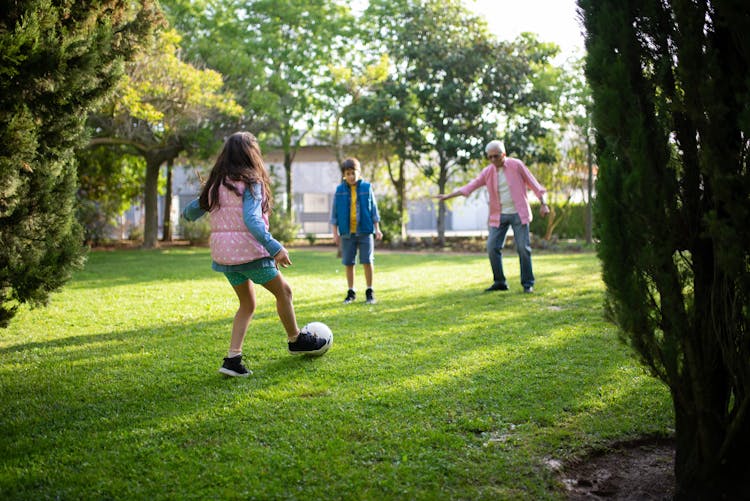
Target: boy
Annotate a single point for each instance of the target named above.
(355, 220)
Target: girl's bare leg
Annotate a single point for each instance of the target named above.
(246, 294)
(284, 306)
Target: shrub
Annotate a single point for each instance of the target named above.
(390, 224)
(96, 226)
(282, 229)
(572, 222)
(196, 232)
(135, 233)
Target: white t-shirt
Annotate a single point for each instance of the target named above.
(503, 191)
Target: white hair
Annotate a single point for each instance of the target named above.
(495, 144)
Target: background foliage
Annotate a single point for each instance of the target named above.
(58, 62)
(671, 110)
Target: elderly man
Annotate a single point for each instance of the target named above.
(507, 180)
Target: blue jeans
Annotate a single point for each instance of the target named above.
(496, 242)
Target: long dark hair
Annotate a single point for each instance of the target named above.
(239, 160)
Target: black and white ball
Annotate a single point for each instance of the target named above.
(323, 332)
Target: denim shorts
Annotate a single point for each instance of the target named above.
(259, 276)
(365, 243)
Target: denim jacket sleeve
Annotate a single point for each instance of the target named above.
(334, 209)
(252, 214)
(193, 211)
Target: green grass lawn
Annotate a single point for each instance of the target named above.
(439, 391)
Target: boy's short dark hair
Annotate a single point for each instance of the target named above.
(350, 163)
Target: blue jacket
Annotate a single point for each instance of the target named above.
(367, 209)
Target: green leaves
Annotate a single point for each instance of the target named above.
(58, 62)
(668, 85)
(171, 96)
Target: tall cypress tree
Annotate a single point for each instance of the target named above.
(57, 60)
(671, 87)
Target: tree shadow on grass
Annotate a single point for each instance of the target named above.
(139, 266)
(454, 379)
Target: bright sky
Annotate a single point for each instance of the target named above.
(552, 20)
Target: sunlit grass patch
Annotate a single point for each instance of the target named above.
(438, 391)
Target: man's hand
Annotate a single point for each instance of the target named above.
(544, 210)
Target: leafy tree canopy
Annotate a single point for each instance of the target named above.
(276, 57)
(162, 108)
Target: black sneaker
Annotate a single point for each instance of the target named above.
(308, 343)
(496, 287)
(370, 297)
(233, 367)
(350, 296)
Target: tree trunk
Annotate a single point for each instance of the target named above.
(154, 160)
(401, 197)
(589, 201)
(711, 421)
(442, 182)
(700, 472)
(552, 223)
(710, 463)
(288, 157)
(399, 183)
(167, 221)
(150, 202)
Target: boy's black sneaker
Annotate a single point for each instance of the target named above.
(370, 297)
(351, 296)
(233, 367)
(308, 343)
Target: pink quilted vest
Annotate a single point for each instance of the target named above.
(231, 241)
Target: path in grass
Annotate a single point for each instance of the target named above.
(439, 391)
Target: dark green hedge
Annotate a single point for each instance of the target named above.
(572, 225)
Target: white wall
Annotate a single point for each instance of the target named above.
(470, 213)
(315, 177)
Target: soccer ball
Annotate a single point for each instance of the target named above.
(322, 331)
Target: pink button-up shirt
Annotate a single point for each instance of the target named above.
(519, 180)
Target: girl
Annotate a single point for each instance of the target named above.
(238, 199)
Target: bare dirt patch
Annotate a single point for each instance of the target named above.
(640, 470)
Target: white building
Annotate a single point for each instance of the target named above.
(316, 175)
